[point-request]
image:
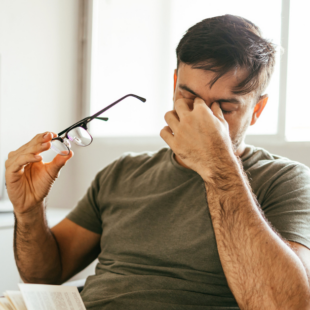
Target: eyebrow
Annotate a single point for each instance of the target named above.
(230, 100)
(184, 87)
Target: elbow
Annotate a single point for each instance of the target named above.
(304, 304)
(304, 299)
(300, 302)
(40, 280)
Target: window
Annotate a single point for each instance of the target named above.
(130, 56)
(298, 77)
(134, 46)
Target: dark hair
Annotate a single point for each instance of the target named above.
(224, 43)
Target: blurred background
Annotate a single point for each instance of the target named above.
(61, 61)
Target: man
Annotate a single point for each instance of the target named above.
(180, 228)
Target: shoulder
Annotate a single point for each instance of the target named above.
(273, 176)
(258, 161)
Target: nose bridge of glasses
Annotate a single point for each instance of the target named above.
(82, 123)
(61, 145)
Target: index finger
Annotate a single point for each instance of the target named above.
(183, 106)
(38, 139)
(199, 103)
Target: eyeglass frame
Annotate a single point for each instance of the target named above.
(83, 123)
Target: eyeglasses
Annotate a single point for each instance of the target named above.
(78, 134)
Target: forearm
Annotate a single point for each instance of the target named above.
(35, 248)
(261, 270)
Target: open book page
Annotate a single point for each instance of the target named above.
(5, 304)
(16, 300)
(51, 297)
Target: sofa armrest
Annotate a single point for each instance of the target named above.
(78, 283)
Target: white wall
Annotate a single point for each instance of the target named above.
(39, 90)
(39, 76)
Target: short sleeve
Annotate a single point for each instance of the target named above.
(87, 213)
(287, 203)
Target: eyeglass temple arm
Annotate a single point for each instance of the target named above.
(114, 103)
(89, 118)
(81, 122)
(102, 118)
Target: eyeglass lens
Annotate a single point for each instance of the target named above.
(80, 136)
(62, 148)
(77, 135)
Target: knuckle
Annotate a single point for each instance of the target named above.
(11, 154)
(162, 132)
(168, 114)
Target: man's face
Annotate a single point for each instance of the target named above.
(237, 109)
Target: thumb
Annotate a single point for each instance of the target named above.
(217, 111)
(57, 163)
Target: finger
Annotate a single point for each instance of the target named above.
(199, 103)
(167, 135)
(23, 160)
(217, 111)
(182, 107)
(13, 158)
(57, 163)
(38, 148)
(30, 149)
(172, 120)
(40, 138)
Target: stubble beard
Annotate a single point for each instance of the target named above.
(238, 137)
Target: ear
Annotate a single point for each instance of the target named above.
(258, 109)
(175, 78)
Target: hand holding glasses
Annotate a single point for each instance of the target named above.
(78, 134)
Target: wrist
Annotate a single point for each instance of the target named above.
(31, 215)
(224, 167)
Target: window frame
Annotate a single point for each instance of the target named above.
(88, 43)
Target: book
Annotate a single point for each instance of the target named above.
(42, 297)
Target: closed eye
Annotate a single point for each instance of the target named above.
(226, 105)
(187, 95)
(226, 112)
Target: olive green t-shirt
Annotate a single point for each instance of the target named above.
(158, 248)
